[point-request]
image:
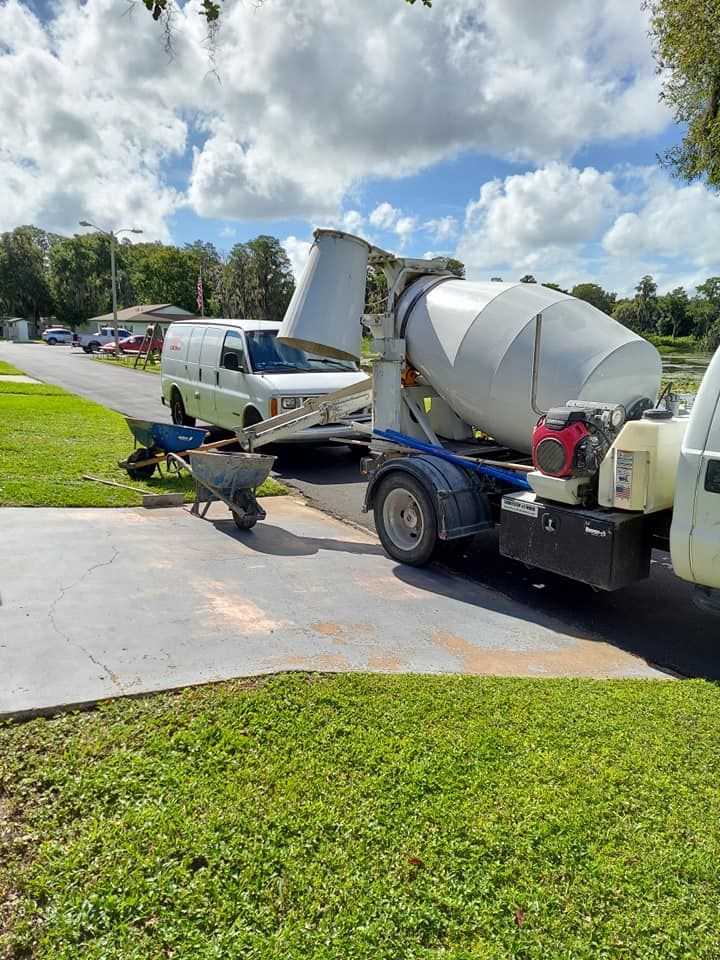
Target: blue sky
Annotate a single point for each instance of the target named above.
(520, 137)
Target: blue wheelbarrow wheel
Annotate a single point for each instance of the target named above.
(140, 473)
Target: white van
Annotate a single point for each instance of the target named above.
(231, 373)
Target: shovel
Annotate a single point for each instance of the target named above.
(148, 499)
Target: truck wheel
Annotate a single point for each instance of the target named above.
(177, 411)
(86, 349)
(405, 519)
(93, 347)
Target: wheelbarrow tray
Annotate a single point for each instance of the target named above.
(170, 437)
(225, 473)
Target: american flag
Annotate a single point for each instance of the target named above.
(200, 301)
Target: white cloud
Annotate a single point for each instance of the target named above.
(675, 221)
(298, 252)
(404, 228)
(384, 216)
(314, 99)
(568, 225)
(442, 229)
(527, 218)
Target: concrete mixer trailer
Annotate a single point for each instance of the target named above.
(519, 406)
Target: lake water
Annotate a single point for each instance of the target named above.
(685, 366)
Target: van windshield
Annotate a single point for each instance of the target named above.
(268, 355)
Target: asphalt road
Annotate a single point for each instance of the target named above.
(655, 619)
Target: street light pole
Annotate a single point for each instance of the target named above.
(112, 234)
(114, 293)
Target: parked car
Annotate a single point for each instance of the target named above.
(55, 335)
(90, 342)
(236, 372)
(133, 344)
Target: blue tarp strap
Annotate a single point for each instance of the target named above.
(507, 476)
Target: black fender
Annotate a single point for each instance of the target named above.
(460, 507)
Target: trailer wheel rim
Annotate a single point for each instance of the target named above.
(403, 518)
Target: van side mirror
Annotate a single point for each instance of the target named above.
(231, 361)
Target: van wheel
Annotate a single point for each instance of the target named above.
(177, 411)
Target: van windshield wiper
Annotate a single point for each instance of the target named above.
(338, 363)
(274, 367)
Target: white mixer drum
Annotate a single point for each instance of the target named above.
(473, 341)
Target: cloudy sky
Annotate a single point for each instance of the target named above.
(518, 135)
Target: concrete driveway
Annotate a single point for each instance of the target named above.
(107, 603)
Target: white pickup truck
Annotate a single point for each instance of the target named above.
(91, 342)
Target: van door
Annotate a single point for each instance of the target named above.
(208, 368)
(695, 532)
(232, 393)
(190, 391)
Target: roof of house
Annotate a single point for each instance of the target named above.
(145, 311)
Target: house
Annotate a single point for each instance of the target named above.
(137, 319)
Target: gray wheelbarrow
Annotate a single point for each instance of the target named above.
(230, 477)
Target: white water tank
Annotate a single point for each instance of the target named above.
(473, 341)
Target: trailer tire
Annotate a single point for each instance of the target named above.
(177, 410)
(405, 519)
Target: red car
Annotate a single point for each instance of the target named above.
(133, 344)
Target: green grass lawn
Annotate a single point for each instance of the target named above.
(8, 370)
(50, 438)
(153, 366)
(368, 817)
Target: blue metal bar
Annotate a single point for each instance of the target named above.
(507, 476)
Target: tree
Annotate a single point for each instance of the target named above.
(496, 279)
(704, 307)
(80, 277)
(674, 319)
(593, 293)
(554, 286)
(161, 274)
(626, 313)
(376, 291)
(236, 296)
(24, 287)
(257, 280)
(686, 46)
(211, 10)
(272, 278)
(456, 266)
(528, 278)
(646, 300)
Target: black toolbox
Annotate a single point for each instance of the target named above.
(607, 549)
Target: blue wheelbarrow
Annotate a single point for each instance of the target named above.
(230, 477)
(153, 441)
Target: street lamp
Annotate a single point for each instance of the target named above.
(113, 234)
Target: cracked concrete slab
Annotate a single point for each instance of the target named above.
(106, 603)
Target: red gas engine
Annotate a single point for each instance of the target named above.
(571, 441)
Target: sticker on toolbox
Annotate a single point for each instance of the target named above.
(516, 505)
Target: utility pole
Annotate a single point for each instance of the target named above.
(112, 234)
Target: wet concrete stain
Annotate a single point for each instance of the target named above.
(242, 613)
(579, 658)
